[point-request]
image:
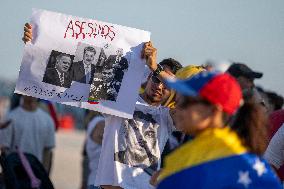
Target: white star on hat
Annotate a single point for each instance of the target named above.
(259, 167)
(244, 178)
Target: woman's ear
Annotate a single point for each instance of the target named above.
(217, 113)
(212, 110)
(218, 108)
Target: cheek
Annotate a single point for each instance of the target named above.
(166, 93)
(148, 88)
(189, 121)
(180, 118)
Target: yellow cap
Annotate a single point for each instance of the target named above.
(183, 73)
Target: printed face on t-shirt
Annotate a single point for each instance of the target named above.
(138, 142)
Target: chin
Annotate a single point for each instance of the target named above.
(179, 127)
(157, 99)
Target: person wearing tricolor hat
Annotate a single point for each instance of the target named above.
(219, 156)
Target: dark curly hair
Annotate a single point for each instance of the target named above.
(172, 63)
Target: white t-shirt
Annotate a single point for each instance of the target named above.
(93, 150)
(274, 153)
(131, 149)
(30, 131)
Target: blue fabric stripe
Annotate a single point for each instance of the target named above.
(192, 86)
(221, 174)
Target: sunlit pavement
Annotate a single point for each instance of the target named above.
(66, 171)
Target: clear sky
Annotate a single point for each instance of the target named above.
(191, 31)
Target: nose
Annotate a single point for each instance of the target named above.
(160, 85)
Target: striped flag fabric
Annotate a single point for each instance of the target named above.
(216, 159)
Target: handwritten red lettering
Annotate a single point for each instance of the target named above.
(90, 25)
(70, 26)
(81, 30)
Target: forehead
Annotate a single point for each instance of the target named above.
(65, 58)
(168, 70)
(89, 52)
(245, 79)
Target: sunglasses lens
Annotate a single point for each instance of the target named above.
(155, 79)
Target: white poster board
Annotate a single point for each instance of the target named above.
(74, 60)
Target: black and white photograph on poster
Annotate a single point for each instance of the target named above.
(84, 66)
(137, 145)
(68, 65)
(58, 69)
(110, 69)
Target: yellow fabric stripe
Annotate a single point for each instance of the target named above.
(210, 145)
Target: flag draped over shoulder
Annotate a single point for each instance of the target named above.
(216, 159)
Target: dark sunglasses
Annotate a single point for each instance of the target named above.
(155, 79)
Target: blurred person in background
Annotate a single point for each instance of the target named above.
(274, 150)
(4, 108)
(95, 132)
(276, 101)
(245, 77)
(274, 154)
(221, 66)
(207, 103)
(31, 130)
(272, 100)
(89, 116)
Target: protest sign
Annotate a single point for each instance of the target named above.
(82, 62)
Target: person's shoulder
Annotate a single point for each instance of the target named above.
(51, 69)
(47, 121)
(43, 114)
(15, 112)
(77, 64)
(281, 129)
(95, 121)
(164, 109)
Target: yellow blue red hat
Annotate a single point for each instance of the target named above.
(216, 87)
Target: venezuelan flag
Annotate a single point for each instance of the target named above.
(216, 159)
(92, 101)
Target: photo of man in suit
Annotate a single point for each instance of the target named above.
(59, 75)
(101, 88)
(119, 64)
(83, 71)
